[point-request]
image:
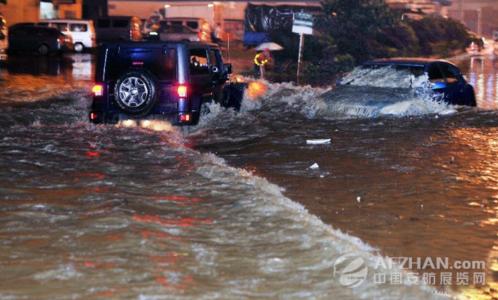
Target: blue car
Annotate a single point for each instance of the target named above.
(446, 79)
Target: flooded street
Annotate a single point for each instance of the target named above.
(231, 209)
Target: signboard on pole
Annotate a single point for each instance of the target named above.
(303, 23)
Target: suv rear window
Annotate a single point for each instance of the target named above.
(162, 62)
(198, 62)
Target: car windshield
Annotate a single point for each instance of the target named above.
(384, 75)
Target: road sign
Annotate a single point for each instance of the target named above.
(303, 23)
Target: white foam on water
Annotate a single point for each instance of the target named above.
(343, 102)
(383, 96)
(266, 199)
(368, 93)
(334, 242)
(62, 272)
(416, 107)
(386, 77)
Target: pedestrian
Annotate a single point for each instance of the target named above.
(260, 61)
(216, 35)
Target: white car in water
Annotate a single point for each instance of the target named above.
(4, 41)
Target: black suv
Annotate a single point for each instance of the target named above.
(38, 39)
(166, 80)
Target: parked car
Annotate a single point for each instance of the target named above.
(118, 28)
(81, 31)
(175, 33)
(38, 39)
(168, 80)
(4, 39)
(199, 25)
(445, 78)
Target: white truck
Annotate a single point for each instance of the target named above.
(4, 40)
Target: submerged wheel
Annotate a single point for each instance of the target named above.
(233, 95)
(201, 111)
(43, 49)
(78, 47)
(135, 93)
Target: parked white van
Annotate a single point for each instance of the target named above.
(82, 31)
(4, 39)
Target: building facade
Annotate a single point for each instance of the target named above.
(20, 11)
(68, 9)
(229, 15)
(94, 9)
(17, 11)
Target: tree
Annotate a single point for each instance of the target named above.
(355, 25)
(349, 32)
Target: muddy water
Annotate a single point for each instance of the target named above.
(148, 211)
(418, 182)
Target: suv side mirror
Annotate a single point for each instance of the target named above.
(228, 68)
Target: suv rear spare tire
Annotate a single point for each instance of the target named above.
(135, 93)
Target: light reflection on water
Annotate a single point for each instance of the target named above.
(482, 73)
(128, 211)
(427, 184)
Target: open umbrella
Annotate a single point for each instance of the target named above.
(270, 46)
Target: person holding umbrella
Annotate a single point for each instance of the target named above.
(263, 57)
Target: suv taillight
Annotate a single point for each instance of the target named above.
(182, 91)
(98, 90)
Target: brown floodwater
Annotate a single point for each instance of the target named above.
(231, 209)
(412, 186)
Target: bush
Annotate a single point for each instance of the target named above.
(440, 36)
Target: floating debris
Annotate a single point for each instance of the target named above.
(314, 166)
(318, 141)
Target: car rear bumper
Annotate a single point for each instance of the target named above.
(102, 117)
